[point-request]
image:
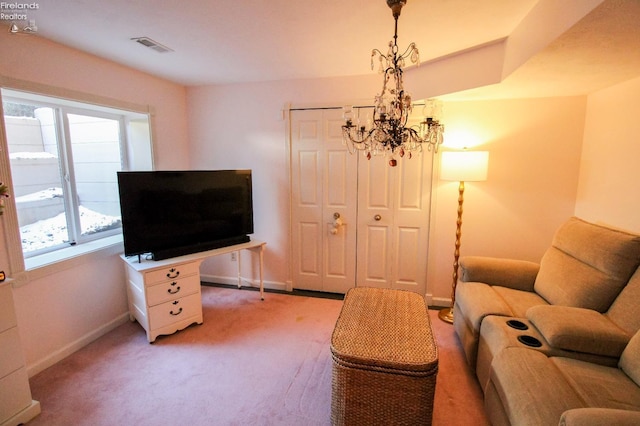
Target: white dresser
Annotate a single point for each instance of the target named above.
(16, 405)
(164, 296)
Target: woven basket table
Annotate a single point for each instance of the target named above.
(385, 359)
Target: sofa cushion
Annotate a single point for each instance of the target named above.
(476, 301)
(579, 330)
(599, 417)
(532, 390)
(512, 273)
(518, 301)
(587, 265)
(599, 386)
(624, 310)
(630, 359)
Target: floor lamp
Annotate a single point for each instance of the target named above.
(461, 166)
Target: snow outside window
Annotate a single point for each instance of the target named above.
(64, 157)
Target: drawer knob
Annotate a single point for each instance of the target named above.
(176, 313)
(173, 273)
(173, 292)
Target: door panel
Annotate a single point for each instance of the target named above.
(407, 260)
(374, 267)
(310, 238)
(324, 185)
(308, 177)
(393, 222)
(413, 190)
(338, 266)
(307, 200)
(375, 222)
(385, 210)
(340, 188)
(377, 175)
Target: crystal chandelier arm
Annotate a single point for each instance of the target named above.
(359, 136)
(382, 56)
(412, 51)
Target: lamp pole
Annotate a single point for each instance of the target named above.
(446, 314)
(462, 166)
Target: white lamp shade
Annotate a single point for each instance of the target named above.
(464, 166)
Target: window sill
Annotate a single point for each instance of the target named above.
(59, 260)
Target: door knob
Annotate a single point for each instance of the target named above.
(377, 217)
(337, 223)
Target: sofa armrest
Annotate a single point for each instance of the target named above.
(516, 274)
(599, 417)
(578, 330)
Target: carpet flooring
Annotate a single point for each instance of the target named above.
(252, 362)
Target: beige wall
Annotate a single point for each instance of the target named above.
(609, 190)
(61, 311)
(34, 59)
(534, 157)
(533, 173)
(244, 126)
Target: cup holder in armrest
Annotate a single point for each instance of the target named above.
(518, 325)
(529, 341)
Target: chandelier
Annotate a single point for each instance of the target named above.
(389, 133)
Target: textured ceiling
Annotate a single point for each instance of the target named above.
(226, 41)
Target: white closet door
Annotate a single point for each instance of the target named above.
(393, 222)
(324, 188)
(383, 241)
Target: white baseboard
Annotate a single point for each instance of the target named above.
(272, 285)
(72, 347)
(83, 341)
(438, 301)
(428, 297)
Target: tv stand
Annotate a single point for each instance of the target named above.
(170, 253)
(164, 295)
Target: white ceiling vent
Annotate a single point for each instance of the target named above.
(152, 44)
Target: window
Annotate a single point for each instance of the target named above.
(63, 157)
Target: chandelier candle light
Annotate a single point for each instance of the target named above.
(389, 133)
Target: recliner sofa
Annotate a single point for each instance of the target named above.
(518, 319)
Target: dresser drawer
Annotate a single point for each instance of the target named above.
(172, 272)
(10, 352)
(15, 392)
(170, 290)
(170, 312)
(7, 311)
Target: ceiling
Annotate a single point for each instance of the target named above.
(230, 41)
(599, 51)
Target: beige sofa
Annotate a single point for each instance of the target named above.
(580, 303)
(528, 388)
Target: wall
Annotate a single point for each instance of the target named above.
(34, 59)
(534, 158)
(609, 190)
(534, 161)
(60, 311)
(244, 126)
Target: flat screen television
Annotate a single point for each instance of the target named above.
(172, 213)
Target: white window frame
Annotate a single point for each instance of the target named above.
(20, 269)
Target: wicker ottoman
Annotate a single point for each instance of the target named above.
(385, 360)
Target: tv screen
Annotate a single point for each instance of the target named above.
(172, 213)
